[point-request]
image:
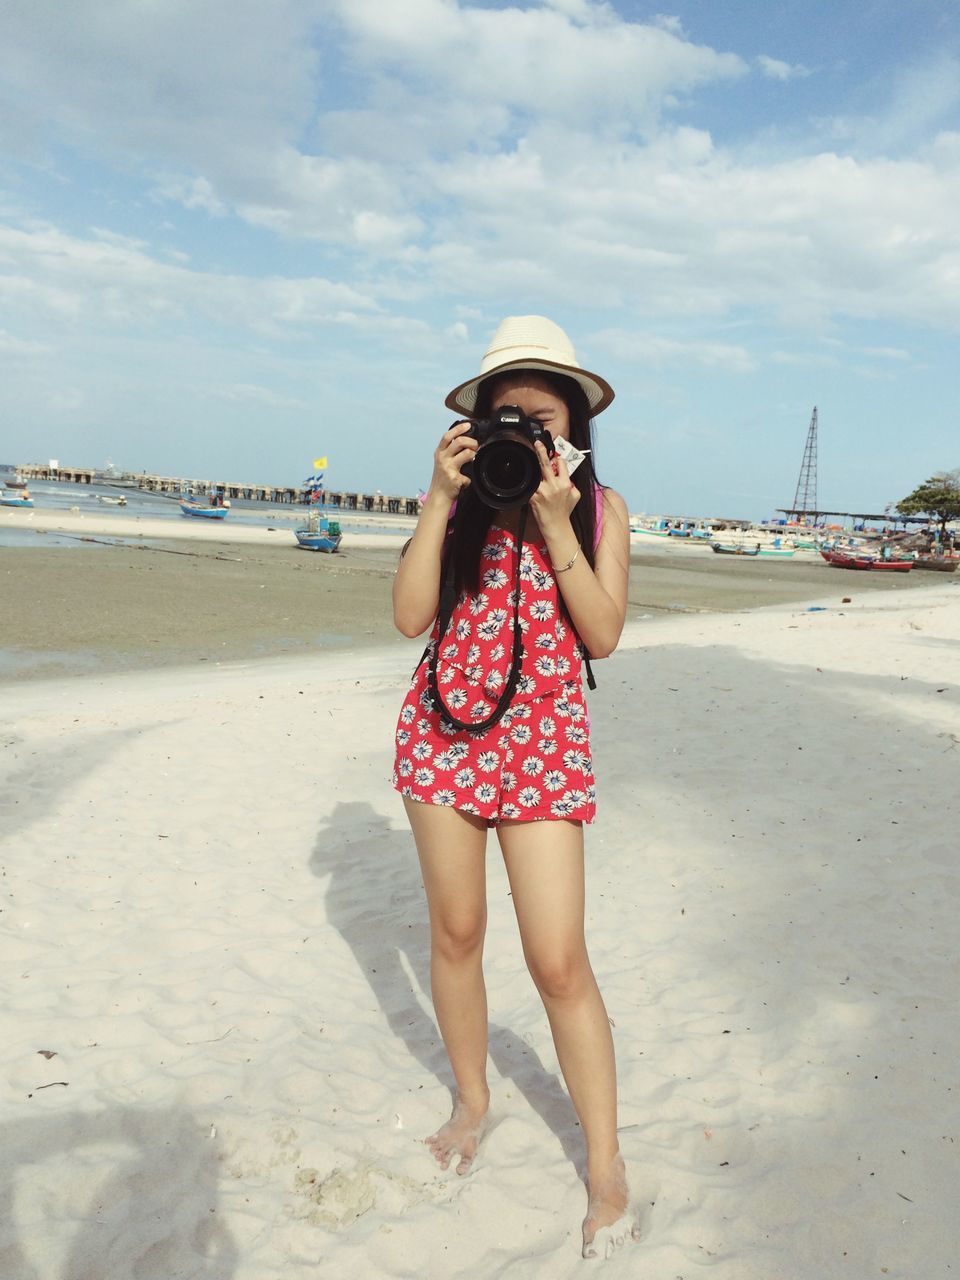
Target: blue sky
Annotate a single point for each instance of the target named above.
(236, 236)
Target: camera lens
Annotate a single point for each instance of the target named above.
(506, 472)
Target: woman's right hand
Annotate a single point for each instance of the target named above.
(454, 450)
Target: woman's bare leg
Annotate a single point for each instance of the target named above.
(451, 847)
(544, 862)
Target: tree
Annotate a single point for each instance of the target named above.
(938, 497)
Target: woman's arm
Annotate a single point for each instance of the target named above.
(596, 599)
(416, 587)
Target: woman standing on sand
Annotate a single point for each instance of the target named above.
(550, 578)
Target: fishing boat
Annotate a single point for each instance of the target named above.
(22, 499)
(945, 564)
(16, 484)
(726, 549)
(321, 533)
(841, 561)
(203, 512)
(112, 501)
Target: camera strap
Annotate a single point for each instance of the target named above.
(447, 603)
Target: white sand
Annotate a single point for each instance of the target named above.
(214, 921)
(100, 522)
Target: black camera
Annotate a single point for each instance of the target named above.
(505, 472)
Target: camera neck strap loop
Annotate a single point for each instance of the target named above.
(447, 603)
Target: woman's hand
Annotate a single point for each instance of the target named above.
(454, 450)
(557, 495)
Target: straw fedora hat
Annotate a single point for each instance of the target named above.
(530, 342)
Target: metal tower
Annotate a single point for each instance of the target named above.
(805, 499)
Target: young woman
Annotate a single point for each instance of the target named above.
(529, 774)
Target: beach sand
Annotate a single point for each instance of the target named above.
(217, 1042)
(194, 592)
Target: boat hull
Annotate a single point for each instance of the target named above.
(203, 513)
(841, 561)
(16, 502)
(943, 564)
(317, 541)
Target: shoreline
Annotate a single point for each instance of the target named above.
(123, 600)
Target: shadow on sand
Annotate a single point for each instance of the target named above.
(154, 1217)
(376, 901)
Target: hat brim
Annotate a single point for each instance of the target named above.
(599, 393)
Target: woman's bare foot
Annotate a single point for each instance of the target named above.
(609, 1223)
(460, 1135)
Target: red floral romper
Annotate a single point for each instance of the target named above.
(535, 763)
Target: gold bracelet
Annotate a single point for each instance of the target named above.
(569, 564)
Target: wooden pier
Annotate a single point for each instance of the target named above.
(174, 486)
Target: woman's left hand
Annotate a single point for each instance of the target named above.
(557, 495)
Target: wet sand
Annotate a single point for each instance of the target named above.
(99, 608)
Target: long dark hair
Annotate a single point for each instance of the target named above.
(471, 522)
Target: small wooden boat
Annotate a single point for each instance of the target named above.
(841, 561)
(725, 549)
(112, 501)
(945, 564)
(19, 500)
(320, 533)
(16, 484)
(203, 512)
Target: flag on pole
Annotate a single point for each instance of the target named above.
(319, 464)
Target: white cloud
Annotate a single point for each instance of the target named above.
(774, 69)
(12, 346)
(657, 352)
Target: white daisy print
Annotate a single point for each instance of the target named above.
(545, 665)
(444, 761)
(494, 578)
(463, 628)
(488, 761)
(542, 610)
(528, 797)
(499, 616)
(403, 737)
(447, 675)
(456, 698)
(508, 779)
(458, 750)
(486, 793)
(423, 726)
(421, 750)
(497, 653)
(576, 733)
(521, 734)
(480, 710)
(478, 603)
(465, 777)
(450, 650)
(554, 780)
(494, 678)
(561, 630)
(547, 746)
(444, 796)
(546, 641)
(407, 714)
(532, 766)
(562, 808)
(404, 768)
(563, 666)
(509, 811)
(488, 630)
(494, 551)
(541, 580)
(424, 777)
(578, 760)
(473, 653)
(548, 726)
(526, 684)
(576, 797)
(467, 806)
